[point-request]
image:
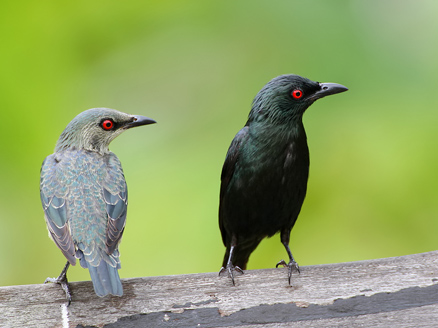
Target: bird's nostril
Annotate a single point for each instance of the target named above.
(324, 88)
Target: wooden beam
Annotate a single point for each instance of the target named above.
(391, 292)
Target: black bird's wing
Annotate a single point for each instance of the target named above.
(115, 195)
(53, 198)
(228, 172)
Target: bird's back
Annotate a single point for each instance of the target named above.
(81, 179)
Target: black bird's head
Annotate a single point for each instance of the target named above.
(285, 98)
(94, 129)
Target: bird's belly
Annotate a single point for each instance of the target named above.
(265, 201)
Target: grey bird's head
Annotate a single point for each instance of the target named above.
(95, 128)
(285, 98)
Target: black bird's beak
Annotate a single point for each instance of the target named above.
(328, 89)
(139, 120)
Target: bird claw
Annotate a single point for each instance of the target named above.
(230, 269)
(61, 280)
(292, 266)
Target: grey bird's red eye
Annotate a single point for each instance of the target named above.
(107, 125)
(297, 94)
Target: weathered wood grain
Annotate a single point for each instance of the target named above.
(391, 292)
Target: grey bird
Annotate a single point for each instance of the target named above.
(264, 177)
(85, 197)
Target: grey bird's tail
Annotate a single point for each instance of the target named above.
(105, 279)
(103, 270)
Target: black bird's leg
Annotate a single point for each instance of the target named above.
(292, 265)
(62, 280)
(230, 268)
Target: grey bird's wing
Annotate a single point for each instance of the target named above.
(53, 197)
(228, 171)
(115, 195)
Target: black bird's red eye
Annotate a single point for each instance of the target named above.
(107, 125)
(297, 94)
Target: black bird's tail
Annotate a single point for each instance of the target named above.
(241, 254)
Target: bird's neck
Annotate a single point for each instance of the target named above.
(272, 133)
(69, 142)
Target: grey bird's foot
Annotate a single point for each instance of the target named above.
(62, 280)
(230, 269)
(292, 266)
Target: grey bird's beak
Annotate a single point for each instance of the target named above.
(328, 89)
(139, 120)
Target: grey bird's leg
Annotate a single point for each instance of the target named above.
(292, 265)
(230, 268)
(62, 280)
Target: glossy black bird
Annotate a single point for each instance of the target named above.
(264, 177)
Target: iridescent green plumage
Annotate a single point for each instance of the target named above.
(264, 176)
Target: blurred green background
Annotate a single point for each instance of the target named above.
(195, 68)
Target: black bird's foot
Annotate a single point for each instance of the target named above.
(292, 266)
(230, 269)
(62, 280)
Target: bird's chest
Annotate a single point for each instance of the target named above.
(275, 166)
(269, 187)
